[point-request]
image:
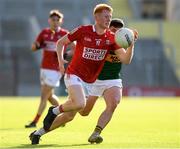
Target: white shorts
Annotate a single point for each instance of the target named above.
(71, 79)
(50, 77)
(99, 86)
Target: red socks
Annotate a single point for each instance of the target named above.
(61, 109)
(36, 119)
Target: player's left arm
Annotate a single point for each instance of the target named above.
(125, 56)
(35, 46)
(39, 42)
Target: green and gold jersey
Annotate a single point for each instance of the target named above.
(111, 69)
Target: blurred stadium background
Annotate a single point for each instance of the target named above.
(155, 69)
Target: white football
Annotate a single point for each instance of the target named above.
(124, 37)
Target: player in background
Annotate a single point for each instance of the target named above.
(93, 44)
(49, 73)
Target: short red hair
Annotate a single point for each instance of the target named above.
(100, 7)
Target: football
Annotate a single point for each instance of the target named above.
(124, 37)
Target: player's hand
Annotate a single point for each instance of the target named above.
(35, 46)
(135, 34)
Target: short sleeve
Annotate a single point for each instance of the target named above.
(40, 39)
(75, 34)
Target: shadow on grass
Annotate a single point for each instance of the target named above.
(48, 145)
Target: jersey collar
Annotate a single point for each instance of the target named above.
(57, 30)
(93, 28)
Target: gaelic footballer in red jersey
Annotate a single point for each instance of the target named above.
(47, 41)
(108, 85)
(90, 53)
(93, 43)
(49, 72)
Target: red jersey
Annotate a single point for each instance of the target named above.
(90, 53)
(47, 40)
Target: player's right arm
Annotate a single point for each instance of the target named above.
(67, 39)
(38, 43)
(60, 51)
(35, 46)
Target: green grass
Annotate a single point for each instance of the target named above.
(147, 123)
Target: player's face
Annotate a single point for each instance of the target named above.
(114, 29)
(55, 22)
(103, 19)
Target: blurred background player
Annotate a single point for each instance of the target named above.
(49, 74)
(96, 38)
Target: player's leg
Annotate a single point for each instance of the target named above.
(53, 99)
(77, 96)
(68, 116)
(62, 119)
(65, 117)
(49, 80)
(55, 81)
(94, 90)
(78, 99)
(59, 121)
(112, 97)
(46, 92)
(90, 102)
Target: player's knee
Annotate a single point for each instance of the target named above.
(80, 105)
(84, 113)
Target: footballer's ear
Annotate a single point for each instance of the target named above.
(61, 21)
(96, 16)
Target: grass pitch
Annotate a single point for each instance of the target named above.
(140, 123)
